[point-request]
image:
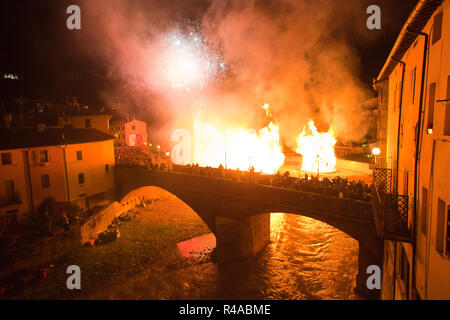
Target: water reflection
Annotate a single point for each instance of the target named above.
(306, 259)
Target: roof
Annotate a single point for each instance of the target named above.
(86, 113)
(416, 22)
(30, 138)
(120, 122)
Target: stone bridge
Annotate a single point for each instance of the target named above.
(238, 213)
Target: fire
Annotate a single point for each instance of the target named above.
(238, 148)
(317, 149)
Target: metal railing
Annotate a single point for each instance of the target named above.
(390, 209)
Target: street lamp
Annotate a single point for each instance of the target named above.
(376, 151)
(159, 152)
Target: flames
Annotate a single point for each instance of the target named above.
(317, 149)
(239, 148)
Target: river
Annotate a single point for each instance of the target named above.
(306, 259)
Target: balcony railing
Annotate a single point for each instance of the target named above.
(10, 200)
(390, 209)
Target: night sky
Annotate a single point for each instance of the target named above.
(48, 57)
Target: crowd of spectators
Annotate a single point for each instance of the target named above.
(338, 187)
(140, 157)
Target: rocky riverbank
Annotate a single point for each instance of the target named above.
(146, 243)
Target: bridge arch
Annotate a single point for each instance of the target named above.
(155, 193)
(217, 200)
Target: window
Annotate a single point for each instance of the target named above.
(106, 167)
(423, 223)
(44, 156)
(45, 181)
(6, 158)
(81, 178)
(413, 85)
(87, 123)
(405, 181)
(431, 101)
(9, 188)
(441, 227)
(437, 28)
(404, 267)
(79, 155)
(447, 111)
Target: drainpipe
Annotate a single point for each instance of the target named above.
(417, 155)
(399, 122)
(29, 184)
(67, 178)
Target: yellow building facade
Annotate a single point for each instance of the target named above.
(70, 165)
(414, 137)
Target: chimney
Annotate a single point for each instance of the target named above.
(8, 119)
(41, 127)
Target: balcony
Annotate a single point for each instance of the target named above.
(10, 200)
(390, 210)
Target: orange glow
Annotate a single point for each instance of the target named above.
(317, 149)
(238, 148)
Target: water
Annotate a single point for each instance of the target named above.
(306, 259)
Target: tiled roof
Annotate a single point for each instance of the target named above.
(29, 138)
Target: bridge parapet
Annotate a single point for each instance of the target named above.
(263, 197)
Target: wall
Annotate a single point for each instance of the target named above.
(140, 128)
(432, 276)
(54, 168)
(95, 156)
(101, 220)
(99, 122)
(16, 172)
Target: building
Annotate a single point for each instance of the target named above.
(86, 119)
(412, 195)
(70, 165)
(129, 133)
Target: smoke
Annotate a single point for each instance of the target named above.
(295, 55)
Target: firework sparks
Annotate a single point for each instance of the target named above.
(186, 62)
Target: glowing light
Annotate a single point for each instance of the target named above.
(376, 151)
(10, 76)
(159, 147)
(167, 153)
(238, 148)
(317, 149)
(185, 62)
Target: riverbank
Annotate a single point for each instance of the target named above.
(146, 243)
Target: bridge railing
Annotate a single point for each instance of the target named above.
(336, 187)
(390, 209)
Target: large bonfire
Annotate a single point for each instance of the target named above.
(317, 149)
(244, 149)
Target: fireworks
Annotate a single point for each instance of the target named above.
(185, 62)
